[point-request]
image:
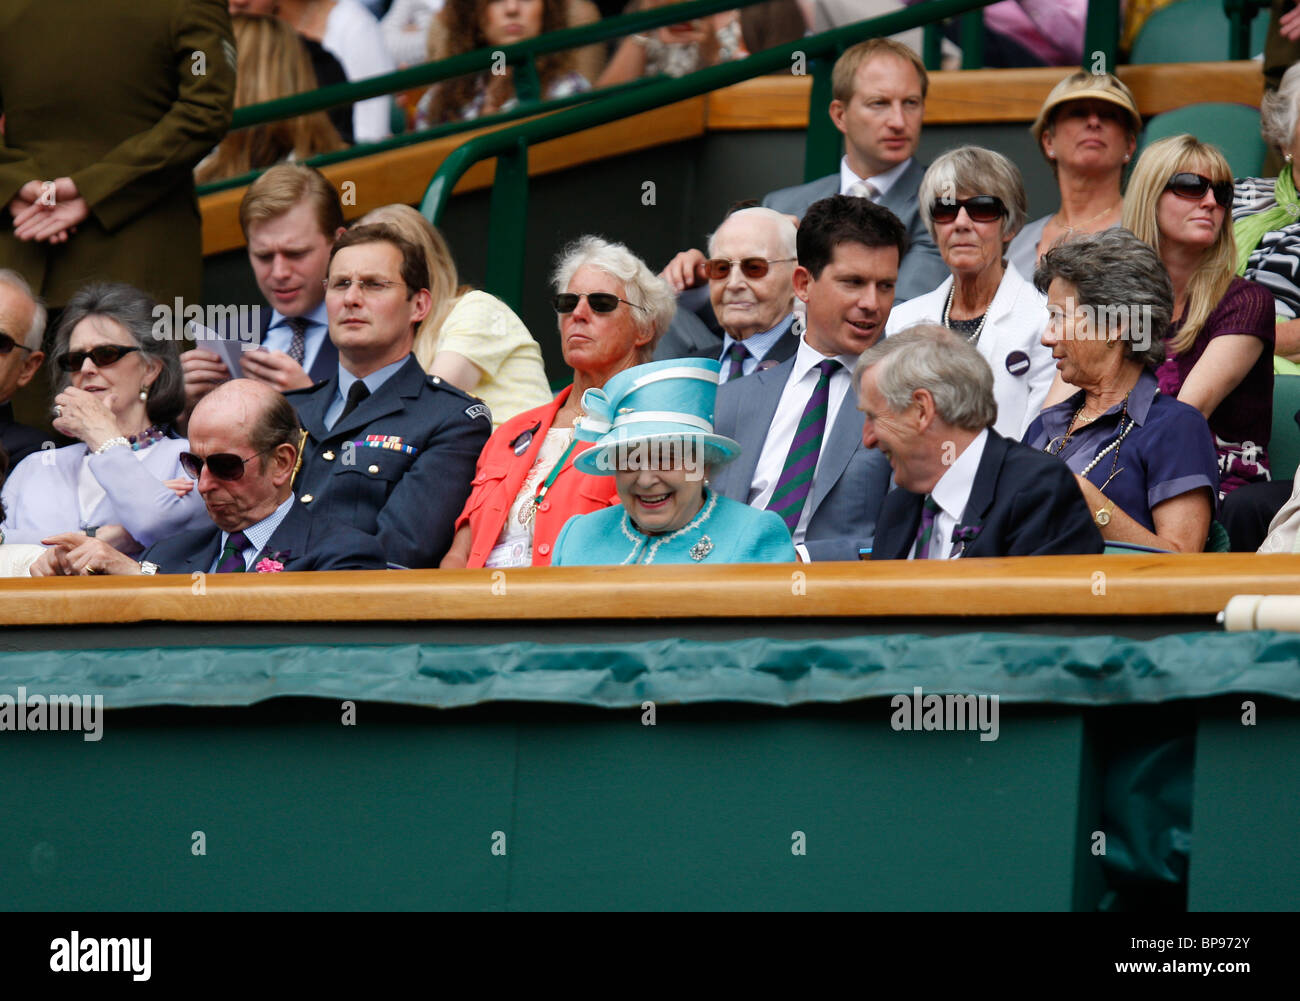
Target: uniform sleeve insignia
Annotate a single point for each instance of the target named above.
(478, 410)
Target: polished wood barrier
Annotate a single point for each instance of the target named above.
(775, 102)
(1061, 586)
(1015, 95)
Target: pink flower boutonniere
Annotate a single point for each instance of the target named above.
(268, 565)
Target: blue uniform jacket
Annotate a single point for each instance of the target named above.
(725, 531)
(398, 467)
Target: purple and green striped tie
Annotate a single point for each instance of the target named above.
(738, 353)
(232, 557)
(793, 487)
(928, 511)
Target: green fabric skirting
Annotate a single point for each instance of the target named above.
(1018, 668)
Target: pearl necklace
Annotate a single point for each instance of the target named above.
(973, 338)
(1113, 445)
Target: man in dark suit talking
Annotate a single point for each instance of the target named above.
(963, 489)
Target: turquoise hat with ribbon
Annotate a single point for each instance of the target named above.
(649, 406)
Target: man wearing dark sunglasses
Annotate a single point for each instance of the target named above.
(390, 449)
(22, 324)
(243, 440)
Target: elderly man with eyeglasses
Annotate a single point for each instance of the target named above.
(750, 270)
(22, 325)
(244, 441)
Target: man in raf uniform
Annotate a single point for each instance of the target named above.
(389, 449)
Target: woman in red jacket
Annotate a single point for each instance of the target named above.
(612, 310)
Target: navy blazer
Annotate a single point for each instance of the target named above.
(851, 480)
(1023, 503)
(18, 440)
(301, 541)
(398, 467)
(922, 268)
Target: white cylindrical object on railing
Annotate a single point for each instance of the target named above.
(1280, 612)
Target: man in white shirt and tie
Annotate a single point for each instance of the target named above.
(798, 424)
(962, 489)
(291, 216)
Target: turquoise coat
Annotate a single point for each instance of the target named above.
(725, 531)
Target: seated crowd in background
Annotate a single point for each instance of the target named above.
(885, 362)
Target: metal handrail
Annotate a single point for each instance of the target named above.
(519, 54)
(816, 54)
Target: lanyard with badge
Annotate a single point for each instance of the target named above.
(529, 510)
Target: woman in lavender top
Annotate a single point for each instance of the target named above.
(119, 388)
(1145, 462)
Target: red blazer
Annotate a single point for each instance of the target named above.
(501, 473)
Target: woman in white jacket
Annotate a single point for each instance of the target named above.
(973, 202)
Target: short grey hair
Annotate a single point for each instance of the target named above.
(640, 285)
(981, 172)
(930, 357)
(786, 231)
(134, 311)
(36, 331)
(1278, 111)
(1118, 278)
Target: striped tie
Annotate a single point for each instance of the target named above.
(232, 557)
(738, 353)
(801, 461)
(928, 510)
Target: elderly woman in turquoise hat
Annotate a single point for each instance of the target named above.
(653, 429)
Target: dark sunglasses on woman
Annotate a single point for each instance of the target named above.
(600, 302)
(981, 208)
(103, 356)
(751, 267)
(223, 465)
(1194, 186)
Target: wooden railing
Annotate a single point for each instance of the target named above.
(1063, 586)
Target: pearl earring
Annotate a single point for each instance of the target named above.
(144, 393)
(1287, 158)
(1127, 158)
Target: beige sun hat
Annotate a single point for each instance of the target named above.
(1085, 86)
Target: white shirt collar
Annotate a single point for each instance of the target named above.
(953, 489)
(807, 358)
(881, 182)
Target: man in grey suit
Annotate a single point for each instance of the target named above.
(798, 424)
(879, 89)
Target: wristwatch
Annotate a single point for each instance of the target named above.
(1102, 515)
(149, 568)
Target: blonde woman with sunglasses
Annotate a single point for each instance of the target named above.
(1219, 347)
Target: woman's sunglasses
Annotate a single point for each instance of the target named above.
(224, 465)
(600, 302)
(102, 356)
(1194, 186)
(751, 267)
(981, 208)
